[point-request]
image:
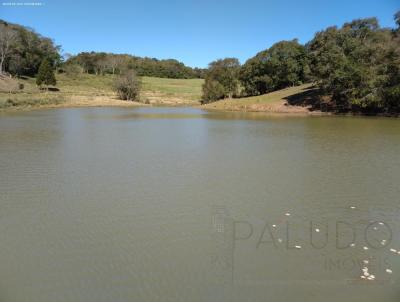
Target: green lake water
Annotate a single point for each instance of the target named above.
(180, 204)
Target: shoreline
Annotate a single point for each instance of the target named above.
(75, 102)
(300, 113)
(292, 110)
(278, 106)
(87, 101)
(99, 102)
(96, 91)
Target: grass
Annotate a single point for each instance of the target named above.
(92, 90)
(87, 90)
(85, 84)
(13, 97)
(268, 98)
(286, 100)
(186, 89)
(26, 100)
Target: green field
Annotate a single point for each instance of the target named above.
(189, 90)
(154, 90)
(293, 99)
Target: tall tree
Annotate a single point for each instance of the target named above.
(282, 65)
(46, 74)
(22, 50)
(7, 38)
(397, 18)
(358, 64)
(221, 80)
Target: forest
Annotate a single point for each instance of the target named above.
(356, 66)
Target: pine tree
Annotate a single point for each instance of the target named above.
(45, 74)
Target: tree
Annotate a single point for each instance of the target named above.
(128, 86)
(282, 65)
(212, 91)
(45, 74)
(221, 80)
(115, 61)
(7, 38)
(358, 65)
(22, 50)
(397, 18)
(16, 64)
(84, 59)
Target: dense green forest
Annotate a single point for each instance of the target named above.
(282, 65)
(359, 65)
(356, 66)
(22, 50)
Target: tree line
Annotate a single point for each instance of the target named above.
(103, 63)
(356, 65)
(22, 51)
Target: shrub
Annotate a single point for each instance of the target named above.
(212, 91)
(73, 69)
(128, 86)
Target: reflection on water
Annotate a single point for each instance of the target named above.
(180, 204)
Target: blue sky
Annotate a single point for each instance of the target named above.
(194, 32)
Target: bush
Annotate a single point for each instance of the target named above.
(73, 69)
(128, 86)
(10, 103)
(212, 91)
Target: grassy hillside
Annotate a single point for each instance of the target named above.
(172, 90)
(298, 99)
(92, 90)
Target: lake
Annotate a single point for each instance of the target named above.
(181, 204)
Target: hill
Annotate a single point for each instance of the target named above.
(92, 90)
(297, 99)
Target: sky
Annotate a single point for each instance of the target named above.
(193, 32)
